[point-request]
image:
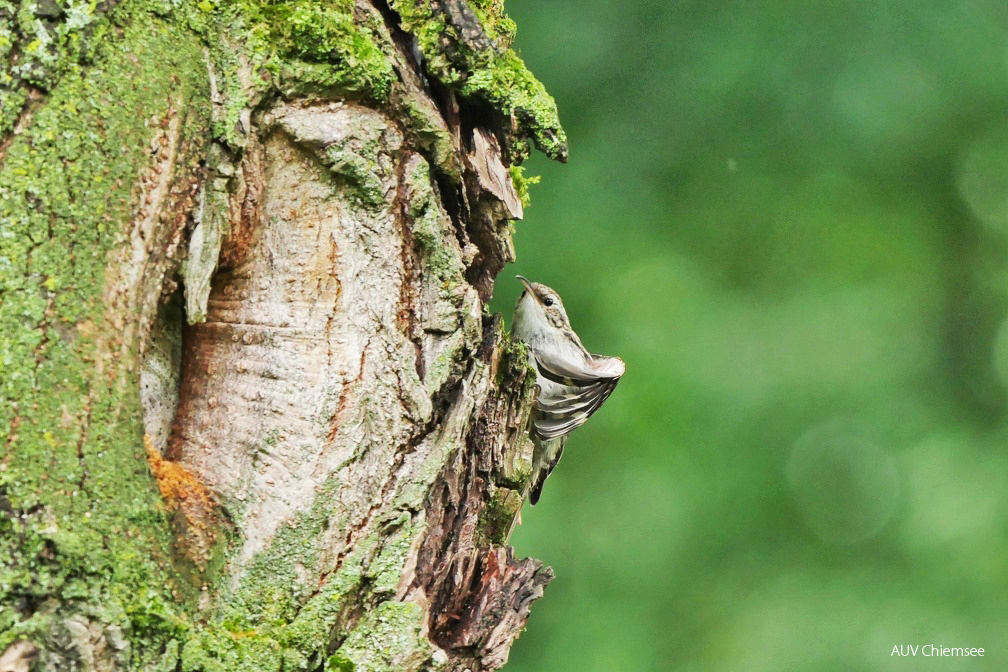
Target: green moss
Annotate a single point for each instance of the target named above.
(515, 362)
(300, 47)
(385, 571)
(50, 39)
(486, 68)
(428, 227)
(310, 630)
(424, 123)
(360, 170)
(419, 18)
(309, 32)
(214, 650)
(272, 616)
(522, 183)
(91, 527)
(271, 591)
(388, 639)
(496, 517)
(294, 47)
(272, 597)
(375, 562)
(498, 24)
(508, 84)
(340, 663)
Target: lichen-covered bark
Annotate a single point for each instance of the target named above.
(256, 414)
(93, 195)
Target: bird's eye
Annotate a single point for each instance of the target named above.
(547, 301)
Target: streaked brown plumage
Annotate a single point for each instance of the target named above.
(573, 383)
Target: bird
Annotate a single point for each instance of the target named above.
(572, 382)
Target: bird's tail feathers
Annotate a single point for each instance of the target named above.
(546, 456)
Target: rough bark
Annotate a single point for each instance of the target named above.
(257, 414)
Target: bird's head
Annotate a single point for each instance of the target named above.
(539, 308)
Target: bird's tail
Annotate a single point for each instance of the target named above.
(545, 456)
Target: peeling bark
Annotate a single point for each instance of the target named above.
(335, 431)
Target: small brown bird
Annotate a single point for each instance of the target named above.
(573, 383)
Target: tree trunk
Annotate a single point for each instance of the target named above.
(257, 414)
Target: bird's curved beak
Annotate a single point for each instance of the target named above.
(528, 286)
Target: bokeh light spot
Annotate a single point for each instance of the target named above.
(1001, 353)
(885, 99)
(845, 486)
(982, 176)
(954, 491)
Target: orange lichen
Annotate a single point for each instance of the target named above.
(196, 520)
(176, 483)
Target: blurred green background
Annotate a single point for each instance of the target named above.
(790, 220)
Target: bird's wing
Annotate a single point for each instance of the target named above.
(581, 392)
(569, 368)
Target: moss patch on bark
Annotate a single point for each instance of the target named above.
(83, 528)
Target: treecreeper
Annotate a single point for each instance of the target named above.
(572, 382)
